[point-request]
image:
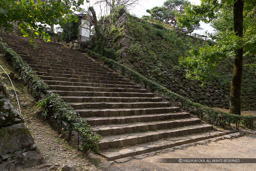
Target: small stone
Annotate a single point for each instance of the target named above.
(25, 105)
(44, 166)
(254, 124)
(125, 151)
(107, 164)
(6, 156)
(68, 168)
(53, 167)
(111, 154)
(123, 160)
(33, 147)
(142, 156)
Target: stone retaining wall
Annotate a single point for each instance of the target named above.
(17, 147)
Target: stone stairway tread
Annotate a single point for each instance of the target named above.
(137, 124)
(122, 105)
(143, 134)
(63, 69)
(90, 88)
(61, 64)
(58, 68)
(89, 76)
(104, 130)
(124, 140)
(69, 82)
(102, 93)
(109, 99)
(56, 82)
(125, 111)
(121, 109)
(77, 73)
(134, 119)
(86, 80)
(113, 154)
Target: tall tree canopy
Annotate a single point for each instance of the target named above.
(113, 5)
(166, 13)
(235, 22)
(32, 16)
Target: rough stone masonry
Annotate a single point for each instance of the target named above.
(17, 147)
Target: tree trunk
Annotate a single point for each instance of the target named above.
(52, 29)
(235, 90)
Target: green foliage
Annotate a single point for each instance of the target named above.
(36, 85)
(211, 115)
(166, 13)
(154, 42)
(70, 31)
(68, 121)
(136, 49)
(234, 39)
(109, 52)
(203, 62)
(33, 16)
(115, 32)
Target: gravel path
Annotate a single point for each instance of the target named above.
(243, 147)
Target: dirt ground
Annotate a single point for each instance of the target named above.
(244, 113)
(243, 147)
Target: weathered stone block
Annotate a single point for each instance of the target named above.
(254, 124)
(14, 138)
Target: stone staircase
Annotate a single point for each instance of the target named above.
(130, 119)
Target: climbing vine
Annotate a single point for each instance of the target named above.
(67, 121)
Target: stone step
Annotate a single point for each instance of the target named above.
(102, 94)
(77, 83)
(58, 63)
(85, 80)
(125, 140)
(59, 60)
(85, 77)
(63, 64)
(75, 75)
(68, 73)
(121, 105)
(81, 99)
(114, 154)
(107, 130)
(94, 121)
(71, 70)
(125, 112)
(67, 68)
(89, 88)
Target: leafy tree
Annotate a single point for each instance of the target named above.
(166, 13)
(236, 37)
(32, 16)
(113, 5)
(70, 31)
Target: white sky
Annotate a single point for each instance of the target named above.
(140, 9)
